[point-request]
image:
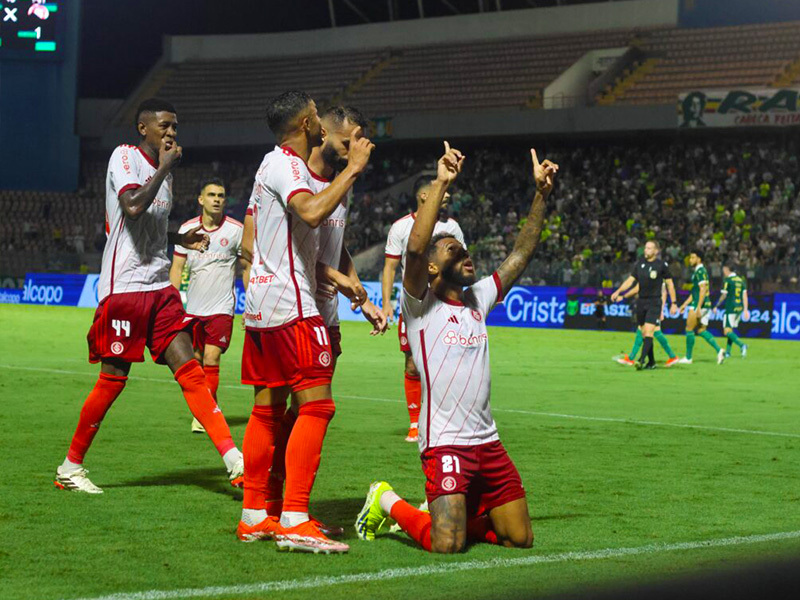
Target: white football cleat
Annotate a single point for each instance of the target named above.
(685, 361)
(744, 351)
(197, 427)
(75, 481)
(721, 356)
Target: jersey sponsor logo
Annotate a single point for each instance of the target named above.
(253, 316)
(451, 338)
(224, 242)
(126, 165)
(262, 279)
(295, 169)
(449, 483)
(334, 223)
(117, 348)
(325, 358)
(476, 315)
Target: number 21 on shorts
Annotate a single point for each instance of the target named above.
(120, 326)
(450, 464)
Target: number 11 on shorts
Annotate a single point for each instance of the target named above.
(322, 335)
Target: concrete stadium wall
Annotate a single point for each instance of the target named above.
(461, 28)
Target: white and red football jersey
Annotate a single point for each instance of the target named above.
(135, 257)
(282, 282)
(450, 345)
(331, 243)
(212, 273)
(397, 240)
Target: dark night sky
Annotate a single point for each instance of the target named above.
(120, 40)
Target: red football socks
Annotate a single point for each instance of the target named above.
(105, 391)
(277, 474)
(414, 522)
(212, 380)
(304, 451)
(413, 387)
(193, 383)
(479, 529)
(258, 448)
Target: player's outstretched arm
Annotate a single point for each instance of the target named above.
(415, 279)
(135, 203)
(313, 209)
(528, 238)
(176, 270)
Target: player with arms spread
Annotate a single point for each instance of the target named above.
(287, 349)
(737, 305)
(649, 274)
(700, 310)
(138, 306)
(211, 297)
(473, 488)
(396, 244)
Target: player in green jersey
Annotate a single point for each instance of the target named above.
(734, 295)
(700, 310)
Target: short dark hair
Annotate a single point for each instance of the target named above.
(435, 240)
(338, 114)
(699, 253)
(211, 180)
(419, 184)
(152, 105)
(282, 109)
(730, 264)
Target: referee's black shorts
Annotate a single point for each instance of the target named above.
(648, 312)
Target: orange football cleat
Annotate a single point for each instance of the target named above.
(266, 530)
(413, 434)
(672, 361)
(307, 537)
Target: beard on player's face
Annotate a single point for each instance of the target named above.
(459, 271)
(331, 156)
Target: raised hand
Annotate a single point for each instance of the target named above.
(449, 165)
(169, 154)
(194, 240)
(543, 174)
(360, 150)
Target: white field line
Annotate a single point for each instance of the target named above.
(446, 568)
(507, 410)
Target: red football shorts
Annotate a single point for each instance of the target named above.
(336, 339)
(125, 323)
(484, 473)
(214, 330)
(298, 356)
(403, 335)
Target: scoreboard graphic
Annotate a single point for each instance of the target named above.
(31, 28)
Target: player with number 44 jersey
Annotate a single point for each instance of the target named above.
(473, 489)
(138, 306)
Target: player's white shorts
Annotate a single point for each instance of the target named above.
(705, 315)
(731, 320)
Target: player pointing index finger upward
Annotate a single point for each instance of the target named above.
(287, 347)
(473, 489)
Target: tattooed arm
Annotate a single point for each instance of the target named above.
(531, 232)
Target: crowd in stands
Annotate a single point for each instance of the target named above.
(733, 199)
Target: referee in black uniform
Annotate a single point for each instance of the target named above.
(650, 272)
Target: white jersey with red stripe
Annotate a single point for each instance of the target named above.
(283, 276)
(450, 345)
(212, 273)
(331, 243)
(397, 241)
(135, 257)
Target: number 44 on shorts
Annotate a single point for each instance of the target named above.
(120, 326)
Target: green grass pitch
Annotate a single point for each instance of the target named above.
(611, 459)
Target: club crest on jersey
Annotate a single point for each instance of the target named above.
(449, 483)
(117, 348)
(224, 242)
(653, 274)
(476, 315)
(325, 358)
(403, 340)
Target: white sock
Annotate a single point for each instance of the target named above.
(253, 516)
(69, 467)
(292, 519)
(231, 457)
(388, 500)
(414, 426)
